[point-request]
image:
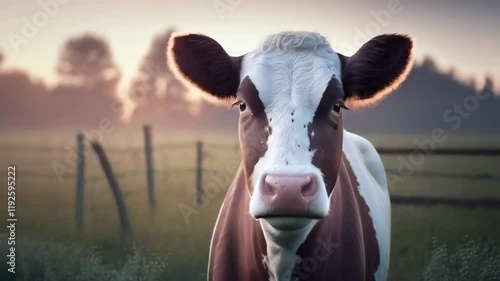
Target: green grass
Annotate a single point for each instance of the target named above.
(467, 260)
(62, 261)
(45, 208)
(414, 228)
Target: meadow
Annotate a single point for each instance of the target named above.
(428, 242)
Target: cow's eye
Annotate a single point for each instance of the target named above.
(338, 107)
(243, 106)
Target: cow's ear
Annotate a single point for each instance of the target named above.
(200, 62)
(376, 69)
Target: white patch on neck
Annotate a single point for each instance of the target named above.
(282, 250)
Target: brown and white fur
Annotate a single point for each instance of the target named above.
(310, 200)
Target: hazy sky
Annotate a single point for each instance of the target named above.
(459, 33)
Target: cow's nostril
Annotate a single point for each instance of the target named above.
(288, 194)
(301, 185)
(309, 189)
(269, 189)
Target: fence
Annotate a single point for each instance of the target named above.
(152, 171)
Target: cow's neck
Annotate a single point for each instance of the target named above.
(282, 250)
(342, 245)
(238, 244)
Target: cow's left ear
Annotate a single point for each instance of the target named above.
(376, 69)
(200, 62)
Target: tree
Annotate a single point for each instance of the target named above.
(86, 93)
(22, 101)
(471, 82)
(158, 95)
(488, 87)
(429, 64)
(87, 60)
(452, 73)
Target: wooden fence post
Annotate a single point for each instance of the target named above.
(150, 173)
(199, 171)
(80, 181)
(115, 188)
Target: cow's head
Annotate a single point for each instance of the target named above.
(290, 93)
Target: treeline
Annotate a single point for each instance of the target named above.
(87, 91)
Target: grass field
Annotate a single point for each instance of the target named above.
(45, 207)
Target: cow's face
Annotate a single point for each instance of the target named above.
(290, 93)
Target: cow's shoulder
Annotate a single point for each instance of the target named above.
(370, 173)
(368, 155)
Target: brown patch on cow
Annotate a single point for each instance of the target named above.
(248, 93)
(333, 95)
(346, 237)
(342, 246)
(326, 134)
(254, 128)
(238, 244)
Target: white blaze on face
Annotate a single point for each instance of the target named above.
(290, 85)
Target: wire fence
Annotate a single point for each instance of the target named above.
(149, 163)
(211, 149)
(168, 160)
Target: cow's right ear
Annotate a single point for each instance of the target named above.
(200, 62)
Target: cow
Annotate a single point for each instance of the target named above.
(310, 200)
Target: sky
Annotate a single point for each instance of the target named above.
(457, 33)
